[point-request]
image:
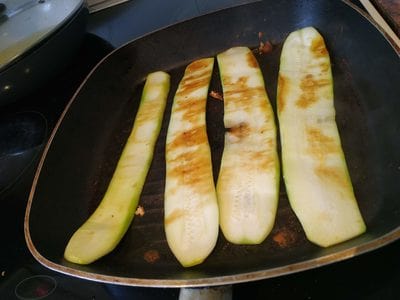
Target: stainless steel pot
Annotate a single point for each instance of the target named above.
(38, 37)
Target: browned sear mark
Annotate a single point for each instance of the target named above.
(318, 47)
(235, 86)
(308, 96)
(151, 256)
(331, 173)
(283, 89)
(309, 87)
(325, 66)
(240, 131)
(265, 159)
(240, 91)
(251, 60)
(193, 169)
(147, 111)
(197, 65)
(192, 166)
(320, 147)
(175, 215)
(189, 85)
(190, 137)
(200, 77)
(320, 144)
(191, 108)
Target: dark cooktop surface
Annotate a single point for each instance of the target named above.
(24, 129)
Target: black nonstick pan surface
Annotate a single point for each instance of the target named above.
(82, 153)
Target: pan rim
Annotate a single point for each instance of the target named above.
(225, 279)
(206, 281)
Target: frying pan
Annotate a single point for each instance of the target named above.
(85, 146)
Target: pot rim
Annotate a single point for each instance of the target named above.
(24, 26)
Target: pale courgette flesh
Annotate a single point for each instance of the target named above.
(104, 229)
(314, 167)
(248, 181)
(190, 203)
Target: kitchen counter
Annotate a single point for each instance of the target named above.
(390, 10)
(374, 275)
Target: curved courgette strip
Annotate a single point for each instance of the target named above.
(248, 182)
(314, 167)
(191, 211)
(101, 233)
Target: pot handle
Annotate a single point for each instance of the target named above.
(223, 292)
(3, 16)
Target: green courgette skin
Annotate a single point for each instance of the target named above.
(104, 229)
(190, 203)
(248, 181)
(314, 167)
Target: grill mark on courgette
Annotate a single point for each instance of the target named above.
(283, 90)
(194, 82)
(240, 131)
(173, 216)
(149, 109)
(310, 87)
(190, 137)
(325, 67)
(320, 145)
(190, 109)
(333, 174)
(197, 65)
(190, 167)
(265, 159)
(318, 47)
(241, 91)
(191, 85)
(251, 60)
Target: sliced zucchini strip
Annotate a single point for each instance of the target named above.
(248, 181)
(314, 167)
(101, 233)
(191, 211)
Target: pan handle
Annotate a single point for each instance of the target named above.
(376, 16)
(223, 292)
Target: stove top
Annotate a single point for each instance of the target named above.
(24, 129)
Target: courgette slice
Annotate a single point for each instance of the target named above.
(101, 233)
(248, 181)
(191, 211)
(314, 167)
